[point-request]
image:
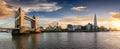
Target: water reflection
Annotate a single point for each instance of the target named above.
(95, 41)
(22, 41)
(35, 38)
(56, 40)
(63, 40)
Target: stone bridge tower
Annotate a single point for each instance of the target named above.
(19, 23)
(34, 24)
(19, 20)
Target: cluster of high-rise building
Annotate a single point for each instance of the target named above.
(86, 28)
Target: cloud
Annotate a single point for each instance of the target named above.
(82, 18)
(34, 5)
(5, 11)
(79, 8)
(115, 15)
(46, 7)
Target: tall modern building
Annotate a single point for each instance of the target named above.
(95, 23)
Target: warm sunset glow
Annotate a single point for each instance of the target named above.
(76, 14)
(116, 25)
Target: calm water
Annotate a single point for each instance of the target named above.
(64, 40)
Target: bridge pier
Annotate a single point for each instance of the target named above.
(20, 31)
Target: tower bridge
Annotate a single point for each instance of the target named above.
(20, 27)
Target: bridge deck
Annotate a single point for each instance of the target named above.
(9, 28)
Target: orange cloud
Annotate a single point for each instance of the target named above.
(79, 8)
(115, 15)
(82, 18)
(4, 10)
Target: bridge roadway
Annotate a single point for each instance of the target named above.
(7, 29)
(10, 29)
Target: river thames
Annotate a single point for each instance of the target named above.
(63, 40)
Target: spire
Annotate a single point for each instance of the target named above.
(95, 20)
(95, 23)
(20, 9)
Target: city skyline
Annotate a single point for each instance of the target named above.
(65, 12)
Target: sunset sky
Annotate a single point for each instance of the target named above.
(64, 11)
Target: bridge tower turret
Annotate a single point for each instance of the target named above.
(19, 16)
(19, 23)
(34, 24)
